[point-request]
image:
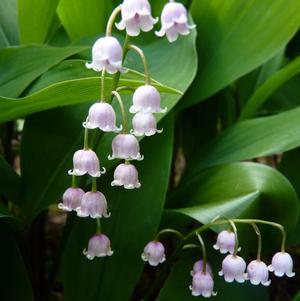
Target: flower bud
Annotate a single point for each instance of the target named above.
(125, 146)
(154, 253)
(93, 204)
(107, 54)
(136, 17)
(233, 268)
(99, 246)
(144, 124)
(257, 272)
(203, 285)
(102, 116)
(174, 21)
(146, 99)
(85, 161)
(282, 263)
(71, 199)
(225, 242)
(198, 267)
(126, 175)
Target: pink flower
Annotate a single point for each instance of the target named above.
(198, 267)
(144, 124)
(126, 175)
(99, 246)
(225, 242)
(282, 263)
(233, 268)
(257, 272)
(154, 253)
(71, 199)
(203, 285)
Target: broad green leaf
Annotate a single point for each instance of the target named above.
(236, 37)
(269, 87)
(297, 297)
(83, 18)
(35, 19)
(8, 23)
(251, 139)
(19, 66)
(135, 217)
(13, 273)
(247, 190)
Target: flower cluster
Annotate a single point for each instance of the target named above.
(107, 57)
(234, 267)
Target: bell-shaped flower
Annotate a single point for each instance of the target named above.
(174, 21)
(85, 161)
(146, 99)
(125, 146)
(144, 124)
(102, 115)
(203, 285)
(126, 175)
(71, 199)
(282, 263)
(93, 204)
(225, 242)
(233, 268)
(257, 272)
(198, 267)
(154, 253)
(136, 17)
(98, 246)
(107, 54)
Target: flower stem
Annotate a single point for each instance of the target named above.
(256, 229)
(142, 55)
(203, 252)
(98, 221)
(236, 244)
(111, 20)
(94, 184)
(125, 88)
(86, 139)
(124, 115)
(74, 181)
(103, 85)
(173, 231)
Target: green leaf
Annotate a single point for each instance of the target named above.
(35, 19)
(269, 87)
(134, 221)
(247, 190)
(8, 23)
(251, 139)
(236, 37)
(19, 66)
(84, 18)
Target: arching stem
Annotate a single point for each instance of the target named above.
(111, 20)
(203, 252)
(259, 241)
(124, 115)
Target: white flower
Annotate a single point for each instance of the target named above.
(282, 263)
(203, 285)
(93, 204)
(225, 242)
(85, 161)
(107, 54)
(198, 267)
(144, 124)
(125, 146)
(233, 268)
(154, 253)
(99, 246)
(126, 175)
(71, 199)
(136, 17)
(146, 99)
(174, 20)
(102, 115)
(257, 272)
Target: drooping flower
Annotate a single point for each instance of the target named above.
(102, 115)
(225, 242)
(154, 253)
(85, 161)
(146, 99)
(98, 246)
(282, 263)
(71, 199)
(144, 124)
(126, 175)
(107, 54)
(125, 146)
(233, 268)
(257, 272)
(136, 17)
(203, 285)
(174, 21)
(93, 204)
(198, 267)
